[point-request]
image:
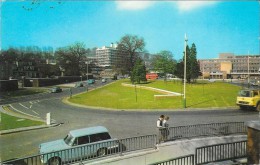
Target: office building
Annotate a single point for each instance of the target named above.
(229, 65)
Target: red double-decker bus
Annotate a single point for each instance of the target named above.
(151, 76)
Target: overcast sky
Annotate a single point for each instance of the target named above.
(215, 27)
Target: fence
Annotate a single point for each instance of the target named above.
(221, 152)
(212, 153)
(213, 129)
(185, 160)
(89, 151)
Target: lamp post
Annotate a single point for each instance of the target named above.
(184, 83)
(248, 70)
(87, 71)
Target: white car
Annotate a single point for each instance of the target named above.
(77, 145)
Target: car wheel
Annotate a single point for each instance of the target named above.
(54, 161)
(102, 152)
(258, 107)
(242, 107)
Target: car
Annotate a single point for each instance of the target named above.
(94, 141)
(91, 81)
(56, 90)
(104, 80)
(80, 84)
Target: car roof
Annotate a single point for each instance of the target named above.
(88, 131)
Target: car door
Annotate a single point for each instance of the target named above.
(81, 148)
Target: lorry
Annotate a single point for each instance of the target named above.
(249, 99)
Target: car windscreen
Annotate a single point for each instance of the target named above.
(69, 139)
(244, 93)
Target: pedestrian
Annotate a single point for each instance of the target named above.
(159, 128)
(165, 125)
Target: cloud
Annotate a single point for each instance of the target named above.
(134, 5)
(181, 5)
(190, 5)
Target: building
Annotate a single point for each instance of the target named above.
(229, 65)
(109, 56)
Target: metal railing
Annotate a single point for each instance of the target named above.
(89, 151)
(184, 160)
(208, 154)
(221, 152)
(212, 129)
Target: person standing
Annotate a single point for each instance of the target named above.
(159, 125)
(165, 125)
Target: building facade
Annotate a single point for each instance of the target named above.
(110, 56)
(229, 65)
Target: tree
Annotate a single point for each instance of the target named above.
(130, 45)
(192, 65)
(72, 59)
(139, 72)
(164, 63)
(195, 68)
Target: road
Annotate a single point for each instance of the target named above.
(121, 124)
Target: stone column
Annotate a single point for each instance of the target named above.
(253, 142)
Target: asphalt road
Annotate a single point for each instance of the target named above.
(120, 123)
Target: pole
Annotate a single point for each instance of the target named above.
(248, 70)
(184, 83)
(87, 71)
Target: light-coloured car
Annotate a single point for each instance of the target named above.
(56, 90)
(104, 80)
(94, 141)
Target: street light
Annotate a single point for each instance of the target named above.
(248, 70)
(184, 83)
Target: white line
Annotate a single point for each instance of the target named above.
(35, 112)
(30, 106)
(23, 106)
(23, 112)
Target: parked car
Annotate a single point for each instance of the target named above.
(94, 141)
(56, 90)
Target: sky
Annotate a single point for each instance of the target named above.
(213, 26)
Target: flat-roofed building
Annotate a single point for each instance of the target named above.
(110, 56)
(229, 65)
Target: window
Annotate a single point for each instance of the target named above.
(99, 137)
(82, 140)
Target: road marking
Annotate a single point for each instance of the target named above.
(23, 106)
(35, 112)
(23, 112)
(35, 101)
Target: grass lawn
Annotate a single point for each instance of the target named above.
(200, 95)
(11, 122)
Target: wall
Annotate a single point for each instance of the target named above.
(8, 85)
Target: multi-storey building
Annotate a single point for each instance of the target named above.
(110, 56)
(229, 65)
